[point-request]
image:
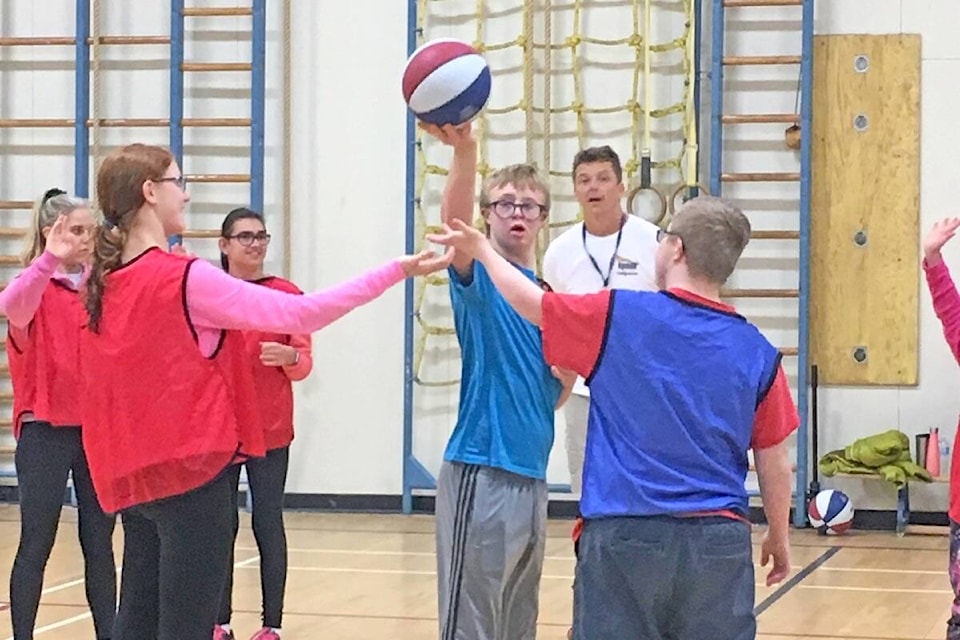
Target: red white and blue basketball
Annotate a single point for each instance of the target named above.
(445, 82)
(831, 512)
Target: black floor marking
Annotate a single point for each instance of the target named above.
(795, 580)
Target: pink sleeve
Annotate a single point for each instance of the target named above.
(303, 344)
(946, 303)
(217, 300)
(21, 298)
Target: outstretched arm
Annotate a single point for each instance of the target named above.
(523, 294)
(217, 300)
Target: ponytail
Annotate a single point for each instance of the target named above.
(120, 194)
(107, 251)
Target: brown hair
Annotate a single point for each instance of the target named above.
(714, 233)
(120, 194)
(599, 154)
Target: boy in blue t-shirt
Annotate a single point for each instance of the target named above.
(491, 505)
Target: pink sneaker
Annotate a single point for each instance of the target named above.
(265, 634)
(219, 633)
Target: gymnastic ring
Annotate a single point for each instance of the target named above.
(655, 219)
(673, 198)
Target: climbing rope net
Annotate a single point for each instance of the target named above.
(566, 76)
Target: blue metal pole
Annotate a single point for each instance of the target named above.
(81, 134)
(697, 70)
(408, 316)
(803, 365)
(716, 98)
(176, 88)
(257, 116)
(176, 80)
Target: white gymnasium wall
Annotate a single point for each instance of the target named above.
(851, 413)
(348, 189)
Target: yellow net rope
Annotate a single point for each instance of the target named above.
(539, 49)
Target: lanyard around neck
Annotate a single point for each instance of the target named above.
(613, 256)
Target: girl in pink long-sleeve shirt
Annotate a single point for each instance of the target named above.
(44, 316)
(946, 304)
(166, 410)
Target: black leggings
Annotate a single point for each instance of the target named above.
(174, 559)
(267, 477)
(44, 458)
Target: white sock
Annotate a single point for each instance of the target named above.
(225, 627)
(276, 630)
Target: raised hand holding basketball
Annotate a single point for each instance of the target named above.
(938, 236)
(455, 136)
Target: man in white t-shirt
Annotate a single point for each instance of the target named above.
(608, 250)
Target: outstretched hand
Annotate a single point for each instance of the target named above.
(938, 236)
(460, 235)
(426, 262)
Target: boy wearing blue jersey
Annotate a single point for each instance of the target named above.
(681, 387)
(491, 506)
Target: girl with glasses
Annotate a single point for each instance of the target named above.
(277, 360)
(168, 407)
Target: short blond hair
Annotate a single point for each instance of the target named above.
(714, 233)
(520, 176)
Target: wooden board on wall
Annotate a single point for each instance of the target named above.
(865, 209)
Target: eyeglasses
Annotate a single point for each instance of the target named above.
(247, 238)
(180, 181)
(663, 233)
(507, 208)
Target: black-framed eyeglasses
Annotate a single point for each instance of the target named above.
(663, 233)
(180, 181)
(247, 238)
(507, 208)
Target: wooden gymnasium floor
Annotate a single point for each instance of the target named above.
(358, 577)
